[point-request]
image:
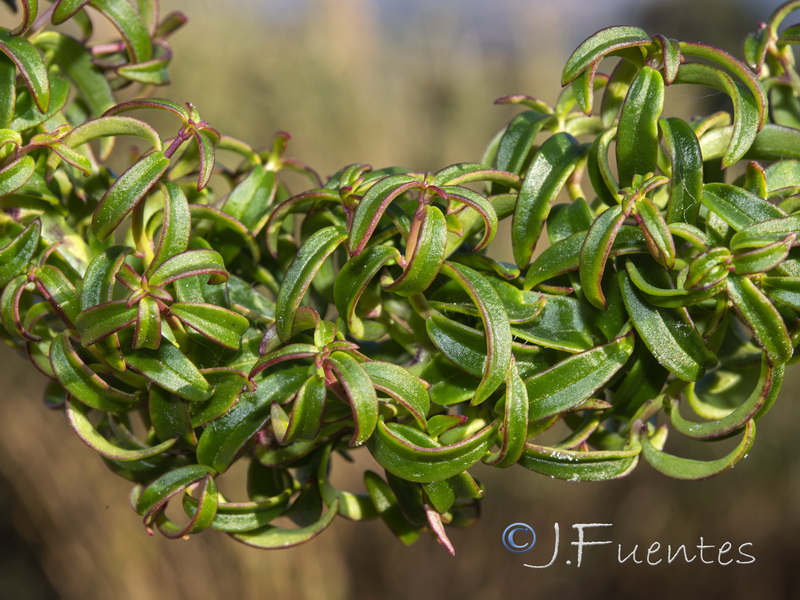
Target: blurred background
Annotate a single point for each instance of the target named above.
(408, 82)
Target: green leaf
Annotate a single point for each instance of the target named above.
(223, 439)
(424, 253)
(305, 420)
(104, 319)
(785, 290)
(29, 10)
(176, 227)
(148, 324)
(598, 46)
(272, 537)
(657, 235)
(407, 389)
(575, 379)
(126, 192)
(190, 263)
(125, 18)
(414, 456)
(156, 495)
(595, 251)
(217, 323)
(388, 508)
(551, 166)
(30, 64)
(206, 147)
(686, 161)
(573, 465)
(301, 271)
(15, 256)
(351, 281)
(78, 419)
(8, 77)
(495, 324)
(360, 392)
(637, 132)
(686, 468)
(59, 292)
(109, 127)
(738, 207)
(172, 370)
(765, 233)
(514, 431)
(479, 204)
(766, 258)
(668, 333)
(758, 313)
(77, 62)
(517, 142)
(81, 382)
(373, 204)
(746, 107)
(14, 175)
(65, 9)
(566, 324)
(765, 392)
(228, 386)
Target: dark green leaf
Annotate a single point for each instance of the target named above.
(171, 369)
(637, 132)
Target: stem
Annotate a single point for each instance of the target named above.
(140, 240)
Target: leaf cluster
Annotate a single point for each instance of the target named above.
(192, 312)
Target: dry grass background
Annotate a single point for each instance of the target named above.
(351, 87)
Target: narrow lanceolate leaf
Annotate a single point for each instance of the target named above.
(600, 45)
(305, 420)
(110, 127)
(351, 281)
(217, 323)
(764, 394)
(668, 333)
(746, 107)
(30, 64)
(551, 166)
(517, 141)
(687, 468)
(126, 192)
(59, 292)
(766, 232)
(406, 389)
(656, 232)
(172, 370)
(595, 251)
(566, 324)
(766, 258)
(8, 76)
(77, 62)
(785, 290)
(16, 174)
(515, 422)
(617, 87)
(763, 319)
(408, 453)
(573, 465)
(495, 323)
(360, 394)
(372, 206)
(104, 319)
(686, 183)
(388, 508)
(479, 204)
(222, 441)
(29, 10)
(67, 8)
(738, 68)
(670, 57)
(148, 324)
(424, 253)
(175, 229)
(159, 492)
(637, 132)
(15, 256)
(738, 207)
(81, 382)
(189, 263)
(130, 25)
(298, 276)
(206, 148)
(77, 417)
(272, 537)
(576, 378)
